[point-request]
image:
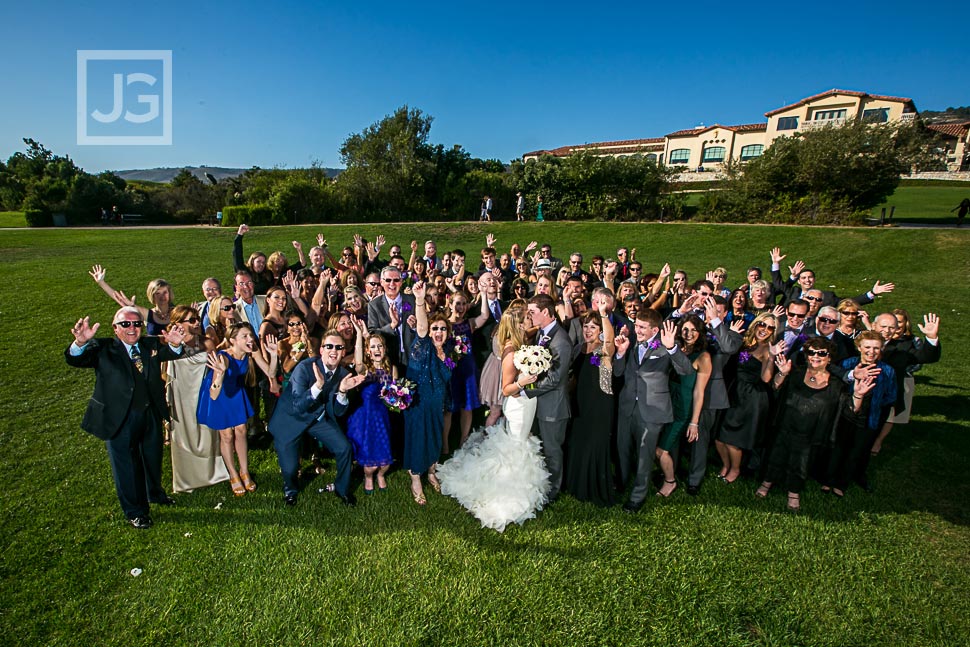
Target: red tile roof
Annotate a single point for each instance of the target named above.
(619, 146)
(851, 93)
(956, 129)
(743, 128)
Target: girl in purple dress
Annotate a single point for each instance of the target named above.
(369, 425)
(464, 374)
(223, 403)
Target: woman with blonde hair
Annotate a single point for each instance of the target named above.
(159, 294)
(222, 315)
(508, 330)
(744, 423)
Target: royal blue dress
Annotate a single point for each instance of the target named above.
(423, 420)
(369, 425)
(464, 378)
(232, 407)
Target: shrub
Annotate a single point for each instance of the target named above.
(38, 218)
(248, 214)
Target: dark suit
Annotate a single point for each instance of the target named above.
(482, 336)
(644, 409)
(298, 412)
(790, 290)
(379, 320)
(552, 405)
(126, 412)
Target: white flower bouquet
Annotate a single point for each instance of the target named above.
(532, 360)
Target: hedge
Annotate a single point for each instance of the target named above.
(250, 214)
(38, 218)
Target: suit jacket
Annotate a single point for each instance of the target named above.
(297, 410)
(241, 310)
(900, 353)
(791, 290)
(551, 392)
(728, 343)
(482, 337)
(379, 320)
(646, 385)
(114, 384)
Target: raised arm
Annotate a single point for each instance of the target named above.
(97, 273)
(420, 310)
(238, 263)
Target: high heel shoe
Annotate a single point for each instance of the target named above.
(237, 487)
(418, 496)
(794, 503)
(248, 482)
(434, 482)
(674, 489)
(763, 490)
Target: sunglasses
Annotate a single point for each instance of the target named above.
(794, 315)
(129, 324)
(826, 320)
(333, 346)
(227, 308)
(190, 320)
(439, 329)
(812, 298)
(392, 280)
(294, 324)
(373, 284)
(762, 324)
(850, 313)
(817, 353)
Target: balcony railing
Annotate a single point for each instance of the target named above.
(822, 123)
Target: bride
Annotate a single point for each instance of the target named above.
(499, 475)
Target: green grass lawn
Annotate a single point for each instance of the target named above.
(12, 219)
(889, 568)
(925, 204)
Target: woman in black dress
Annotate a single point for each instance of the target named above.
(588, 476)
(808, 404)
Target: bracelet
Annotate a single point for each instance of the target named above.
(215, 386)
(692, 424)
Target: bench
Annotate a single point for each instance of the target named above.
(207, 220)
(132, 218)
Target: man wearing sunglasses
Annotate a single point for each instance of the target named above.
(313, 403)
(802, 279)
(392, 315)
(128, 405)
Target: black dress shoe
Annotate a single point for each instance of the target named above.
(289, 500)
(348, 499)
(142, 523)
(165, 500)
(631, 507)
(693, 490)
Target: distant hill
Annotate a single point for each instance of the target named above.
(165, 175)
(943, 116)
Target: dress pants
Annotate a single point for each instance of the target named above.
(553, 435)
(850, 454)
(698, 449)
(637, 440)
(135, 453)
(288, 453)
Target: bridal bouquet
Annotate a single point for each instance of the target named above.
(397, 395)
(533, 360)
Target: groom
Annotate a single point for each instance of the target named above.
(312, 403)
(552, 405)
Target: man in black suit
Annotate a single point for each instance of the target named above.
(313, 402)
(128, 405)
(392, 315)
(801, 280)
(491, 300)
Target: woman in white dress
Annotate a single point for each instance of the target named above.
(499, 475)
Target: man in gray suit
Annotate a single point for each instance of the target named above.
(645, 398)
(552, 406)
(392, 315)
(727, 341)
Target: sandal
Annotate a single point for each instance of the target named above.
(674, 489)
(237, 487)
(794, 503)
(762, 491)
(248, 482)
(418, 496)
(434, 482)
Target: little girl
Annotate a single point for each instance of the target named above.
(223, 403)
(368, 427)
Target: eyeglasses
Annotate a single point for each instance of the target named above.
(333, 346)
(816, 353)
(294, 324)
(795, 315)
(129, 324)
(439, 329)
(227, 308)
(769, 327)
(347, 254)
(812, 298)
(392, 280)
(373, 284)
(634, 268)
(850, 313)
(827, 320)
(190, 320)
(244, 283)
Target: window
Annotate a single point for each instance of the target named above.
(651, 157)
(751, 152)
(825, 115)
(679, 156)
(876, 115)
(787, 123)
(714, 154)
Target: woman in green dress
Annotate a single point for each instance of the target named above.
(686, 396)
(539, 217)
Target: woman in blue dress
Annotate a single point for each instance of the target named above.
(223, 403)
(424, 420)
(369, 425)
(464, 375)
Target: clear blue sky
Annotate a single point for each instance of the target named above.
(270, 84)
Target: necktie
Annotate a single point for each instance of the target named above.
(136, 359)
(496, 311)
(327, 375)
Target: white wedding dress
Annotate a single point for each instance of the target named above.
(499, 475)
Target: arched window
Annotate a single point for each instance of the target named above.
(679, 156)
(714, 154)
(751, 152)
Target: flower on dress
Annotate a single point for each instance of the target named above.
(596, 359)
(450, 363)
(743, 357)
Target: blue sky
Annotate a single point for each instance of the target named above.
(284, 84)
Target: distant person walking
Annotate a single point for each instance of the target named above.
(519, 207)
(539, 217)
(964, 208)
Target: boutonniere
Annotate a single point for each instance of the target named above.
(596, 359)
(654, 344)
(544, 340)
(154, 353)
(406, 307)
(801, 338)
